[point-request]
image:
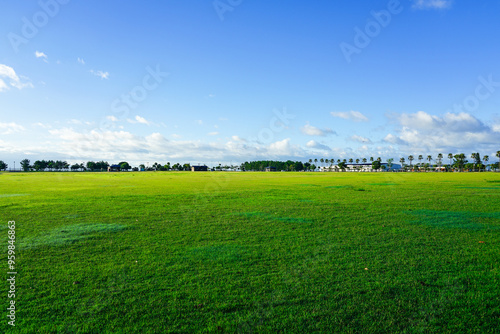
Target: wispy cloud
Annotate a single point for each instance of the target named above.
(360, 139)
(101, 74)
(81, 61)
(432, 4)
(314, 131)
(215, 133)
(9, 78)
(8, 128)
(355, 116)
(42, 55)
(137, 119)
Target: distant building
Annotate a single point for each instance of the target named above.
(199, 168)
(270, 169)
(114, 168)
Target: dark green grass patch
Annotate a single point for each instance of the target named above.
(218, 253)
(454, 219)
(70, 234)
(271, 217)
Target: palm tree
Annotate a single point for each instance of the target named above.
(473, 157)
(310, 161)
(402, 160)
(486, 158)
(498, 156)
(364, 160)
(371, 159)
(420, 157)
(351, 160)
(440, 157)
(379, 159)
(450, 156)
(357, 161)
(322, 161)
(410, 157)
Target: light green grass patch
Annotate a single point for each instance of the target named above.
(453, 219)
(13, 195)
(65, 235)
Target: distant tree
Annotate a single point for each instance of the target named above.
(420, 157)
(364, 160)
(188, 166)
(389, 163)
(402, 160)
(75, 167)
(357, 161)
(25, 164)
(91, 165)
(307, 165)
(450, 156)
(315, 161)
(135, 169)
(486, 158)
(124, 165)
(3, 165)
(460, 161)
(410, 159)
(376, 164)
(322, 161)
(440, 159)
(429, 158)
(142, 167)
(313, 167)
(342, 165)
(38, 165)
(371, 159)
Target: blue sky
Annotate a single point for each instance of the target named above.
(229, 81)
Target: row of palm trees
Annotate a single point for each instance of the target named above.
(459, 157)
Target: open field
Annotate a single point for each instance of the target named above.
(182, 252)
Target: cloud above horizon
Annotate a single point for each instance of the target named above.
(9, 78)
(355, 116)
(432, 4)
(314, 131)
(424, 132)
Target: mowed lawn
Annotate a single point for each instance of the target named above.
(215, 252)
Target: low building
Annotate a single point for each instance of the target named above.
(270, 169)
(199, 168)
(114, 168)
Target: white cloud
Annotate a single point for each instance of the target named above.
(9, 128)
(100, 74)
(453, 131)
(432, 4)
(81, 61)
(141, 120)
(315, 145)
(355, 116)
(41, 55)
(215, 133)
(11, 79)
(137, 119)
(360, 139)
(314, 131)
(112, 118)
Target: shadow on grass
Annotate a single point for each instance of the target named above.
(70, 234)
(453, 219)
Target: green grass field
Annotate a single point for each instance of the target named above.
(182, 252)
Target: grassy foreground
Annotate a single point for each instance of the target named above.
(253, 252)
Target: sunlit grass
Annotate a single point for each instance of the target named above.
(254, 252)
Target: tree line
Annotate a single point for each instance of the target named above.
(456, 162)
